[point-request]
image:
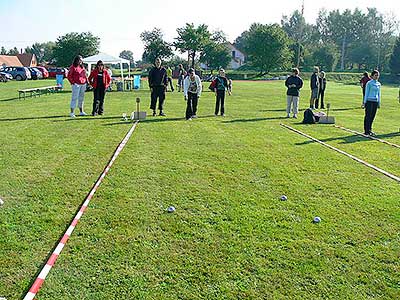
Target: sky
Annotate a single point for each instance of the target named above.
(119, 23)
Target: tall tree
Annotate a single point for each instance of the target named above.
(13, 51)
(127, 54)
(42, 51)
(192, 40)
(155, 46)
(395, 58)
(3, 51)
(266, 47)
(74, 43)
(215, 53)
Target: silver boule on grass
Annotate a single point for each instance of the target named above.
(283, 198)
(171, 209)
(316, 220)
(1, 203)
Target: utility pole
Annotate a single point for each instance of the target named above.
(300, 36)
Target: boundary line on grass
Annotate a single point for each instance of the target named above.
(394, 177)
(367, 136)
(53, 258)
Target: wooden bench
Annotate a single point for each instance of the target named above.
(34, 92)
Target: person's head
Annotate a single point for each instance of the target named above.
(180, 66)
(295, 71)
(322, 74)
(316, 69)
(365, 74)
(100, 65)
(77, 61)
(191, 73)
(221, 72)
(375, 74)
(157, 62)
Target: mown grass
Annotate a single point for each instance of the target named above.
(230, 237)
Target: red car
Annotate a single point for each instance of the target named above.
(44, 71)
(57, 71)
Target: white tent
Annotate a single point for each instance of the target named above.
(107, 59)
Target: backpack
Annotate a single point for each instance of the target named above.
(213, 84)
(308, 116)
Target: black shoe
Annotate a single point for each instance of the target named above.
(162, 114)
(372, 133)
(154, 114)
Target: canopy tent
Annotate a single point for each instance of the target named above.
(107, 59)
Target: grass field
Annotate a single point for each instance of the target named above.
(230, 237)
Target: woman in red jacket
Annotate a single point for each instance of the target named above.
(78, 79)
(99, 79)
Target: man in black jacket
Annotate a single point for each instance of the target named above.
(314, 85)
(293, 83)
(158, 85)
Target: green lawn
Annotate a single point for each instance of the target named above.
(230, 237)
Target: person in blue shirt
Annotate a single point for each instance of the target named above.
(372, 101)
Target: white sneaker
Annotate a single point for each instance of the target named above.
(194, 117)
(294, 116)
(190, 119)
(82, 113)
(72, 115)
(287, 116)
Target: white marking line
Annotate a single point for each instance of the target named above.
(394, 177)
(34, 289)
(367, 136)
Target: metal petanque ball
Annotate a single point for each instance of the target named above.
(171, 209)
(317, 220)
(283, 197)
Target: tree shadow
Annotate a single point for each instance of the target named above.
(253, 120)
(32, 118)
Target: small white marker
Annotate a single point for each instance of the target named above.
(1, 203)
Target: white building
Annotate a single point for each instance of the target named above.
(237, 57)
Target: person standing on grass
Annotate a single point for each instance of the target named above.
(169, 78)
(192, 91)
(372, 101)
(221, 86)
(99, 79)
(78, 79)
(181, 77)
(293, 83)
(314, 85)
(321, 91)
(363, 82)
(158, 85)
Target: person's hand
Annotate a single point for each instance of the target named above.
(185, 97)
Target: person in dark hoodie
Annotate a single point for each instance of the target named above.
(321, 91)
(158, 85)
(293, 83)
(314, 85)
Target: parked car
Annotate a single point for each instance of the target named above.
(44, 71)
(18, 73)
(57, 71)
(35, 73)
(4, 77)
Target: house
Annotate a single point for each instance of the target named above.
(28, 59)
(10, 61)
(20, 60)
(237, 58)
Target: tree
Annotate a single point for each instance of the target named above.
(215, 53)
(395, 58)
(127, 54)
(266, 47)
(192, 40)
(326, 56)
(13, 51)
(42, 51)
(155, 46)
(3, 51)
(72, 44)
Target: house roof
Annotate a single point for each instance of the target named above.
(26, 59)
(10, 60)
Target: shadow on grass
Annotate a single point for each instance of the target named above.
(159, 119)
(86, 118)
(32, 118)
(253, 120)
(349, 139)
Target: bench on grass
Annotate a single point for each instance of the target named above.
(37, 91)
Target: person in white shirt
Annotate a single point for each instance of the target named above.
(192, 91)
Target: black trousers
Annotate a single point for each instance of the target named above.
(220, 101)
(157, 93)
(169, 80)
(98, 100)
(191, 107)
(370, 111)
(321, 95)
